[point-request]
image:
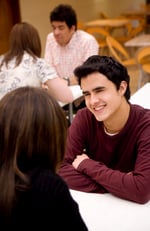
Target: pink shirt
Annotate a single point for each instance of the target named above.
(66, 59)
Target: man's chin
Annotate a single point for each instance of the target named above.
(60, 43)
(98, 117)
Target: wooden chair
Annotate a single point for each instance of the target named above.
(118, 51)
(135, 30)
(130, 32)
(100, 34)
(146, 7)
(143, 61)
(136, 23)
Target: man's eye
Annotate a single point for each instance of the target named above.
(99, 90)
(86, 94)
(61, 28)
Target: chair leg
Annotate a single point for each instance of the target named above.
(70, 112)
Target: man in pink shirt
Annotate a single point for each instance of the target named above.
(67, 47)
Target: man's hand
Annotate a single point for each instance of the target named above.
(79, 159)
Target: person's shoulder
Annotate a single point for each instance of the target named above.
(46, 180)
(50, 36)
(139, 109)
(139, 112)
(86, 39)
(27, 58)
(51, 43)
(85, 35)
(27, 55)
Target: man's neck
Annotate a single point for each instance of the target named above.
(115, 124)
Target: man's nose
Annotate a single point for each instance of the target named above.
(93, 99)
(56, 31)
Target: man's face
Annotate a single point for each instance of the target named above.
(62, 32)
(101, 96)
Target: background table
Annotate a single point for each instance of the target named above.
(104, 212)
(114, 22)
(139, 41)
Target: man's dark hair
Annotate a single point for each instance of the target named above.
(107, 66)
(64, 13)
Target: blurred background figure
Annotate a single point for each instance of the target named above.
(23, 66)
(32, 144)
(66, 46)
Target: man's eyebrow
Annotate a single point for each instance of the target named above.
(95, 89)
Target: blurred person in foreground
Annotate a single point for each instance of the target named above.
(32, 144)
(22, 65)
(67, 46)
(108, 145)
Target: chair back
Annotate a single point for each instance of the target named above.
(143, 55)
(143, 61)
(116, 49)
(96, 31)
(100, 34)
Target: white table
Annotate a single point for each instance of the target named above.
(139, 41)
(142, 97)
(104, 212)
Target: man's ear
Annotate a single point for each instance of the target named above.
(73, 28)
(123, 87)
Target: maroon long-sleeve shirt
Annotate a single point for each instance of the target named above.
(118, 164)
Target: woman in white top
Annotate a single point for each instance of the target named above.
(22, 65)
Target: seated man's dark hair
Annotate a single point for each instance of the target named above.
(107, 66)
(64, 13)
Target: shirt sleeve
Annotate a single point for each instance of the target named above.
(75, 179)
(45, 71)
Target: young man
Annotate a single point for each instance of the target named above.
(67, 47)
(108, 146)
